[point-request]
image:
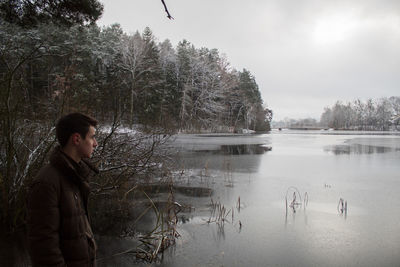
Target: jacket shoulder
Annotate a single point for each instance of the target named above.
(48, 175)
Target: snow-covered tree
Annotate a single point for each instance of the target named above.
(359, 115)
(66, 12)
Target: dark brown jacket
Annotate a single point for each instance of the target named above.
(59, 232)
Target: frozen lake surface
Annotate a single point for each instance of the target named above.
(361, 168)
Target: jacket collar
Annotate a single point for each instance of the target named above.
(78, 172)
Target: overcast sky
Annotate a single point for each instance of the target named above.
(304, 54)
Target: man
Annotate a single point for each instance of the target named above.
(59, 233)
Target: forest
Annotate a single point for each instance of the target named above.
(373, 114)
(49, 70)
(53, 65)
(381, 114)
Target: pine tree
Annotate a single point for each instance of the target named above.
(64, 12)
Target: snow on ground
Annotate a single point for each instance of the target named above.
(121, 130)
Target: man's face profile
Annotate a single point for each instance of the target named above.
(86, 146)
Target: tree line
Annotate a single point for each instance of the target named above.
(380, 114)
(371, 114)
(51, 69)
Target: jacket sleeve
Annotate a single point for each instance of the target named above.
(43, 225)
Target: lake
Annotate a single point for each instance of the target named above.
(246, 221)
(362, 168)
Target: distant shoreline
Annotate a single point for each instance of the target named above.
(333, 129)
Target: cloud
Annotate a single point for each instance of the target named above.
(305, 55)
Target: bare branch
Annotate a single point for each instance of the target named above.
(166, 10)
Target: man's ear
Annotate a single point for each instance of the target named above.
(76, 138)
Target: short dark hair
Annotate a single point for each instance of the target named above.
(73, 123)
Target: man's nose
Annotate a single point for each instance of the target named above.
(95, 143)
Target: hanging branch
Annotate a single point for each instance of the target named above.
(166, 10)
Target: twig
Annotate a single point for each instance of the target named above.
(166, 10)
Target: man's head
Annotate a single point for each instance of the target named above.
(76, 131)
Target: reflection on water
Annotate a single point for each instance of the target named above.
(241, 149)
(225, 158)
(244, 149)
(358, 149)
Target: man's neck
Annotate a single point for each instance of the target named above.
(71, 152)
